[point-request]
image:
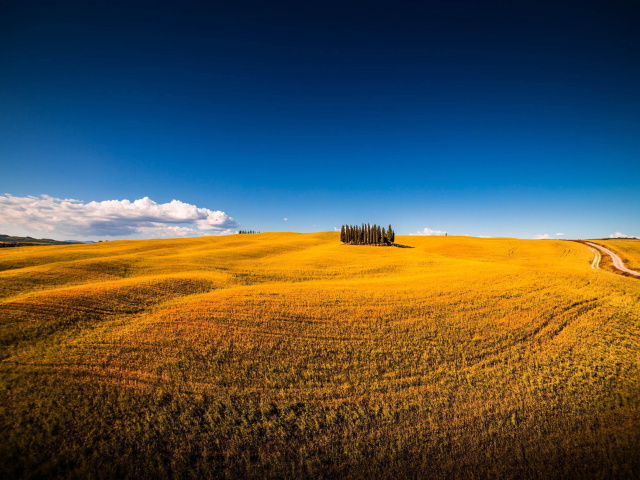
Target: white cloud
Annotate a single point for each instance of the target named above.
(544, 236)
(285, 219)
(429, 231)
(118, 218)
(621, 235)
(560, 234)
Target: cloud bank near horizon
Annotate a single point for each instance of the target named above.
(113, 218)
(429, 231)
(621, 235)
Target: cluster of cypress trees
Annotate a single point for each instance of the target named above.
(367, 235)
(247, 231)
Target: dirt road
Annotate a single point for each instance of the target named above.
(617, 261)
(597, 256)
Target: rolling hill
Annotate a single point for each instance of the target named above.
(282, 355)
(12, 240)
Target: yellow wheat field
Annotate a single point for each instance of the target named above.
(283, 355)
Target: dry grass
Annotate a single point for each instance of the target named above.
(291, 355)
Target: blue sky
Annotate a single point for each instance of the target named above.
(477, 118)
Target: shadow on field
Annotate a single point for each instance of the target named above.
(402, 246)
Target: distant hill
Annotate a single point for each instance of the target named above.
(10, 240)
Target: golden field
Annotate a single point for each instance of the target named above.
(284, 355)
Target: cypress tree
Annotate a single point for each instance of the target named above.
(364, 234)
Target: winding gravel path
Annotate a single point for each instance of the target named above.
(617, 261)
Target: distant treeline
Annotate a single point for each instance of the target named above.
(15, 244)
(247, 231)
(367, 235)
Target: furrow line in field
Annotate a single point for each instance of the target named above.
(544, 329)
